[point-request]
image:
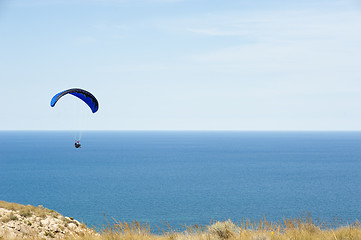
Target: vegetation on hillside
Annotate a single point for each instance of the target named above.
(301, 228)
(28, 210)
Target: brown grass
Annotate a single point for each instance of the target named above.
(28, 210)
(301, 228)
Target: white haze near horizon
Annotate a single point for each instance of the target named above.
(181, 64)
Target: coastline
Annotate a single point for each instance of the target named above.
(29, 222)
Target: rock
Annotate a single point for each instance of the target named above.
(45, 222)
(72, 226)
(54, 227)
(41, 226)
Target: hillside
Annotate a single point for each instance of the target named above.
(38, 223)
(19, 221)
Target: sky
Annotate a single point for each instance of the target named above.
(181, 64)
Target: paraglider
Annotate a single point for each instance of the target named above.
(86, 96)
(77, 144)
(83, 95)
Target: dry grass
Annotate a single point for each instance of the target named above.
(301, 228)
(28, 210)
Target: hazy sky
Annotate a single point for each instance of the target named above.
(182, 64)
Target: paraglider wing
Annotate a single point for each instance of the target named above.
(86, 96)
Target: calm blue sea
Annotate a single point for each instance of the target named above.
(184, 177)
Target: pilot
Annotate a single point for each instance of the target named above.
(77, 144)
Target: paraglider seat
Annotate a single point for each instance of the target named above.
(77, 145)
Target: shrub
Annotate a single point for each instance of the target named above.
(223, 230)
(5, 219)
(49, 234)
(25, 213)
(13, 217)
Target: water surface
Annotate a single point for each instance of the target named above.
(184, 177)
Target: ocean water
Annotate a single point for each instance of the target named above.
(184, 177)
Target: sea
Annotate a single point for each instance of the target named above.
(184, 177)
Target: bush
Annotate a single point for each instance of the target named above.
(49, 234)
(223, 230)
(5, 219)
(13, 217)
(25, 213)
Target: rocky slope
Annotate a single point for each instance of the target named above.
(18, 221)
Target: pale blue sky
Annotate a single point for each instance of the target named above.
(181, 64)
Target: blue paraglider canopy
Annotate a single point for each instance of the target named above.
(86, 96)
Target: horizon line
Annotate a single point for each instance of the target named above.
(175, 130)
